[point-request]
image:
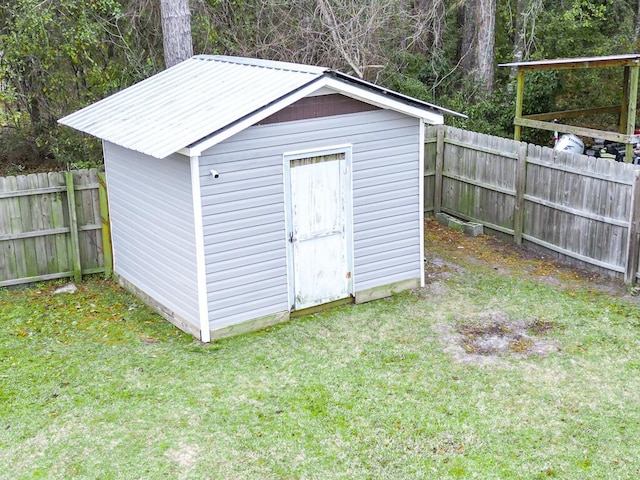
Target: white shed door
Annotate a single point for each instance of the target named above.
(319, 230)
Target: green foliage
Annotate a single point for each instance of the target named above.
(491, 115)
(57, 57)
(413, 74)
(585, 28)
(585, 13)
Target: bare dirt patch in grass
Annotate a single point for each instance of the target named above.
(487, 337)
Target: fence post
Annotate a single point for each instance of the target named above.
(73, 226)
(633, 239)
(106, 226)
(521, 185)
(437, 188)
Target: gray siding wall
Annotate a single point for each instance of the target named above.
(150, 204)
(244, 211)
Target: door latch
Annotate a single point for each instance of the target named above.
(290, 237)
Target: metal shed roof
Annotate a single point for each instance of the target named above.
(197, 99)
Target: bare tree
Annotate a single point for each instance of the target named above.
(343, 35)
(359, 32)
(176, 31)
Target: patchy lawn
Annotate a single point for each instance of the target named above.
(504, 366)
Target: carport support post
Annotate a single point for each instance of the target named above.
(631, 108)
(633, 239)
(519, 101)
(625, 101)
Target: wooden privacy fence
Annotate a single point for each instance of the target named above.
(583, 207)
(51, 226)
(55, 225)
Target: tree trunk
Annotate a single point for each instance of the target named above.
(467, 38)
(485, 46)
(519, 37)
(477, 21)
(176, 31)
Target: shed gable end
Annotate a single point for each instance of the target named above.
(318, 107)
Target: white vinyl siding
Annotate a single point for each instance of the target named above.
(150, 206)
(244, 211)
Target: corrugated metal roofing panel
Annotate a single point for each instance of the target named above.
(176, 107)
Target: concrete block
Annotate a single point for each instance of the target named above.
(443, 218)
(456, 224)
(473, 229)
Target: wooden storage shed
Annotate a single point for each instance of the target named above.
(241, 190)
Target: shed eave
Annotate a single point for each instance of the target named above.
(399, 97)
(382, 100)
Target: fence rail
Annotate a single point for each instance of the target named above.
(577, 206)
(51, 226)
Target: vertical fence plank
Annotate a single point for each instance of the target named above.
(84, 198)
(57, 222)
(437, 200)
(633, 239)
(8, 267)
(15, 226)
(22, 223)
(73, 225)
(40, 260)
(106, 225)
(49, 241)
(93, 206)
(521, 185)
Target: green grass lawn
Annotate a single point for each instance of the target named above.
(94, 385)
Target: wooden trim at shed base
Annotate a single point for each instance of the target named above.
(249, 325)
(322, 307)
(383, 291)
(180, 322)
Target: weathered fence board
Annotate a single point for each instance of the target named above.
(575, 205)
(50, 226)
(429, 173)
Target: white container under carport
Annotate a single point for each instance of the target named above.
(241, 190)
